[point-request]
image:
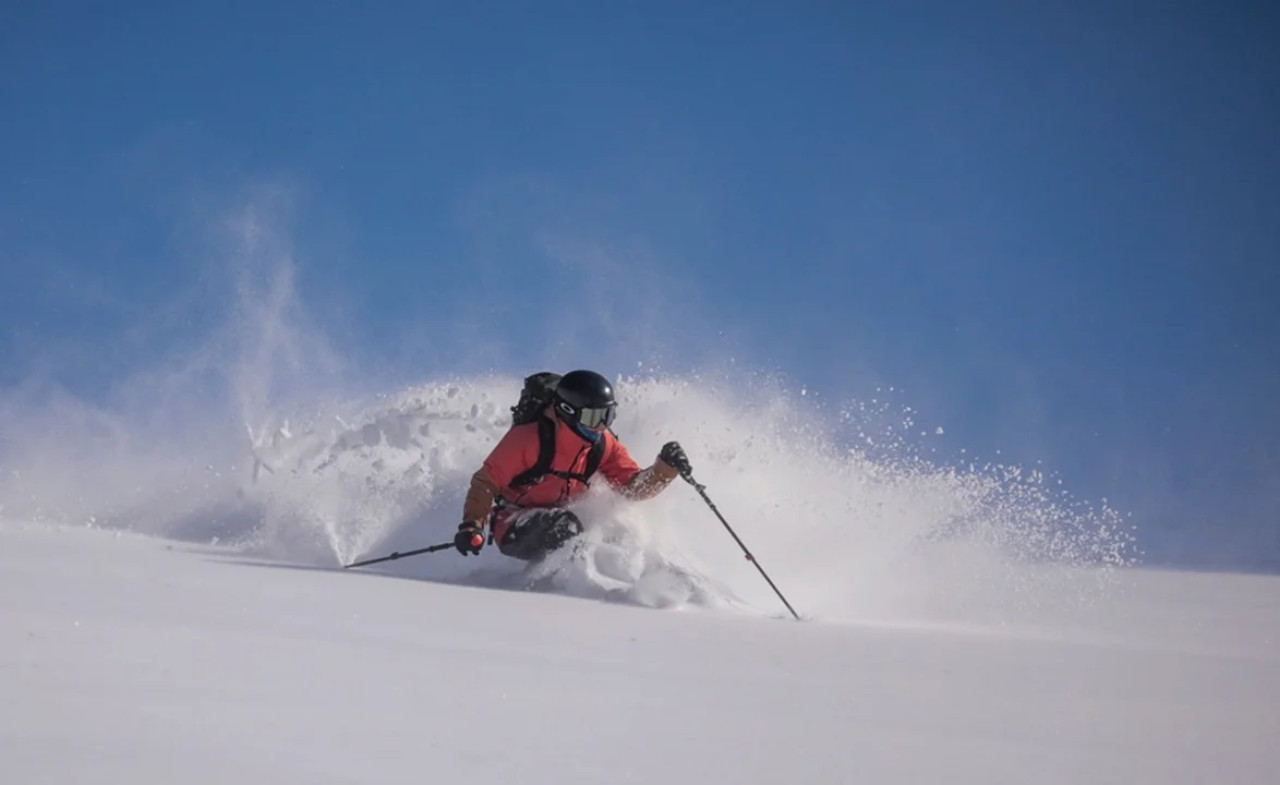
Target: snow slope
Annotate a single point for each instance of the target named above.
(171, 607)
(132, 659)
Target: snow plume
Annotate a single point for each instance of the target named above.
(841, 532)
(164, 449)
(253, 434)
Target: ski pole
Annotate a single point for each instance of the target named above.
(398, 555)
(702, 490)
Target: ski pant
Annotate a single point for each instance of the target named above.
(535, 533)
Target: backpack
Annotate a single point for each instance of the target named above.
(538, 393)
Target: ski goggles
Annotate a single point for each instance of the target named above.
(594, 417)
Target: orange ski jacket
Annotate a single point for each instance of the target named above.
(518, 452)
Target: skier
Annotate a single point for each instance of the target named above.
(542, 465)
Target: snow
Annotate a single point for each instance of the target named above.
(172, 608)
(131, 659)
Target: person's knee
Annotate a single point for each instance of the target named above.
(537, 531)
(540, 533)
(566, 520)
(562, 528)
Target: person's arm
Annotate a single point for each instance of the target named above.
(624, 474)
(510, 457)
(480, 498)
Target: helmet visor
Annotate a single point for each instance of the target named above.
(594, 417)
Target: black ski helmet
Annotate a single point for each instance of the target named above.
(585, 397)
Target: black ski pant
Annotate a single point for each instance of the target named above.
(536, 533)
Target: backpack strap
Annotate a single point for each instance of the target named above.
(547, 452)
(593, 459)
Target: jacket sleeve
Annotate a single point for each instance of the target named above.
(480, 498)
(624, 474)
(510, 457)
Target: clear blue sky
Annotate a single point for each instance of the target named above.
(1054, 226)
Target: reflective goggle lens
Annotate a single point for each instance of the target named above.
(593, 418)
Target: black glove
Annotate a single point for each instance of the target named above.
(466, 539)
(672, 454)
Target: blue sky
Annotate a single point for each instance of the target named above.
(1054, 227)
